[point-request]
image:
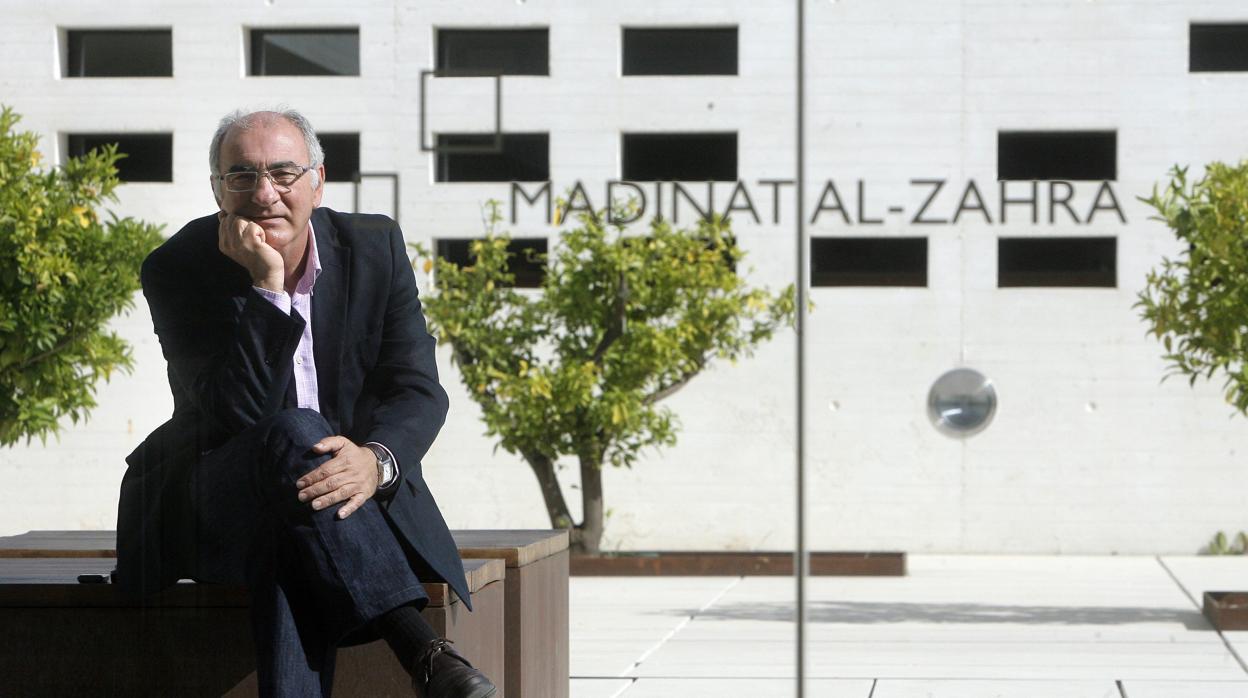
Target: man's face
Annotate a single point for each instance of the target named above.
(271, 144)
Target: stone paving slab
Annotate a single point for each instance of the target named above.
(1238, 640)
(615, 621)
(999, 688)
(627, 592)
(979, 623)
(599, 688)
(913, 631)
(1185, 689)
(905, 659)
(751, 688)
(1200, 573)
(602, 658)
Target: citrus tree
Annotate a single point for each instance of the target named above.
(1197, 302)
(580, 367)
(64, 273)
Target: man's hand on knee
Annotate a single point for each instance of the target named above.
(350, 476)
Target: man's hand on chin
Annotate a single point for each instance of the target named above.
(350, 476)
(243, 241)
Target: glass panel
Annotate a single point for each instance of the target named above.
(868, 262)
(1061, 261)
(466, 52)
(119, 53)
(1057, 155)
(523, 157)
(679, 157)
(342, 156)
(305, 52)
(1218, 47)
(690, 51)
(148, 156)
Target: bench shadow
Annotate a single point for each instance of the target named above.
(874, 612)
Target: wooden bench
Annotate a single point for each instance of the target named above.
(61, 637)
(535, 590)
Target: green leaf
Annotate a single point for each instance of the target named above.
(65, 272)
(1196, 303)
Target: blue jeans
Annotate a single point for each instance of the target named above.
(316, 581)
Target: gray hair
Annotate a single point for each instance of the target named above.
(246, 119)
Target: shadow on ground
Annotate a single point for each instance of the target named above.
(867, 612)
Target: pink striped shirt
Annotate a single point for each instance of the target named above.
(304, 370)
(305, 364)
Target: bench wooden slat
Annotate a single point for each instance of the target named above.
(517, 547)
(60, 544)
(53, 582)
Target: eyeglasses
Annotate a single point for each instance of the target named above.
(282, 178)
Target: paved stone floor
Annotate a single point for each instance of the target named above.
(954, 627)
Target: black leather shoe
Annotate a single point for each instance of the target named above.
(441, 672)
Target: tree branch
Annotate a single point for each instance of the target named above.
(671, 388)
(552, 495)
(69, 339)
(615, 324)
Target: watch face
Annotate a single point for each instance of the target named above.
(385, 465)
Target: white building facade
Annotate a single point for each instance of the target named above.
(909, 106)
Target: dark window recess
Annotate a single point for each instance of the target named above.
(468, 52)
(1057, 262)
(149, 156)
(680, 157)
(524, 263)
(305, 52)
(1065, 155)
(129, 53)
(687, 51)
(342, 156)
(1218, 47)
(868, 262)
(524, 157)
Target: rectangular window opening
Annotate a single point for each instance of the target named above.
(527, 261)
(118, 53)
(1057, 155)
(1218, 48)
(463, 157)
(328, 51)
(149, 156)
(479, 52)
(679, 157)
(1068, 261)
(868, 261)
(680, 51)
(342, 156)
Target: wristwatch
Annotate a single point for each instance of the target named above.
(385, 464)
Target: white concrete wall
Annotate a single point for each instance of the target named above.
(1088, 453)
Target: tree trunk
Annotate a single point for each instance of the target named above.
(585, 537)
(552, 494)
(590, 529)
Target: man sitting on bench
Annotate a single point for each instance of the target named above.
(305, 395)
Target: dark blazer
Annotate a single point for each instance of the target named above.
(229, 354)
